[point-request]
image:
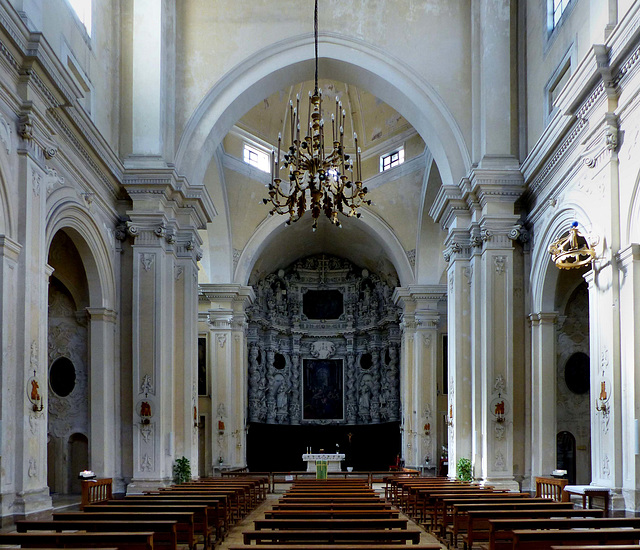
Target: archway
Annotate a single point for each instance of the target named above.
(85, 273)
(68, 344)
(344, 58)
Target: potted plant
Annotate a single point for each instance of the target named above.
(182, 470)
(464, 470)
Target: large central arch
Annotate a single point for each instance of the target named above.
(349, 60)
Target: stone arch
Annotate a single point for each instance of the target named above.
(544, 275)
(375, 227)
(86, 235)
(633, 225)
(7, 223)
(345, 58)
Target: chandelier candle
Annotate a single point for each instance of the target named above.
(317, 178)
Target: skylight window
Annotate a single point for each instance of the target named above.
(257, 158)
(82, 9)
(391, 160)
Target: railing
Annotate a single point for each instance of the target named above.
(95, 490)
(551, 487)
(286, 478)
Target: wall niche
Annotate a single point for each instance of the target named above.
(324, 346)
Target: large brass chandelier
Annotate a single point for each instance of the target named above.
(317, 172)
(572, 250)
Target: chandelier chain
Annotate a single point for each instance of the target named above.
(315, 39)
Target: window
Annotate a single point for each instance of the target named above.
(556, 84)
(82, 9)
(392, 159)
(556, 10)
(257, 158)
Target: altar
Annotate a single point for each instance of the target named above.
(334, 461)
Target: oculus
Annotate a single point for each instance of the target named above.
(62, 377)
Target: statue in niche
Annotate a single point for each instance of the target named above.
(282, 402)
(364, 403)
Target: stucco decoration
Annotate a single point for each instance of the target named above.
(324, 308)
(5, 135)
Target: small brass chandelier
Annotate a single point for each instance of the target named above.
(317, 173)
(572, 250)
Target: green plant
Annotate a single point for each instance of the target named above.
(181, 470)
(464, 470)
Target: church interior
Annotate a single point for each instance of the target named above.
(156, 302)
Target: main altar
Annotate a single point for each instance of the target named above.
(333, 460)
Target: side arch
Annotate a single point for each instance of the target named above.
(353, 61)
(544, 274)
(68, 214)
(633, 225)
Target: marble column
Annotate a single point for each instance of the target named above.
(9, 257)
(423, 307)
(163, 222)
(543, 387)
(104, 405)
(30, 416)
(225, 305)
(629, 264)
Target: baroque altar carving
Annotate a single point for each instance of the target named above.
(324, 346)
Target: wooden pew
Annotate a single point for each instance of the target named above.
(204, 521)
(377, 546)
(164, 532)
(330, 523)
(346, 513)
(331, 537)
(438, 506)
(380, 505)
(599, 547)
(445, 508)
(544, 539)
(478, 517)
(218, 512)
(121, 541)
(503, 528)
(185, 523)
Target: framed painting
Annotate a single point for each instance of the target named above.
(322, 389)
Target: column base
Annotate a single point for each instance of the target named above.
(31, 502)
(139, 486)
(502, 483)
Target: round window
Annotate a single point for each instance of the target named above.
(576, 373)
(279, 362)
(62, 376)
(366, 361)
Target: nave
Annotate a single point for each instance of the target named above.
(344, 512)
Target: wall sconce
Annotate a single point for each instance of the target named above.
(145, 412)
(427, 429)
(602, 402)
(220, 427)
(33, 394)
(498, 411)
(449, 420)
(572, 250)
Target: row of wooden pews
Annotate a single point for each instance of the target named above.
(331, 515)
(188, 515)
(464, 514)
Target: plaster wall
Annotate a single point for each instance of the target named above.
(214, 38)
